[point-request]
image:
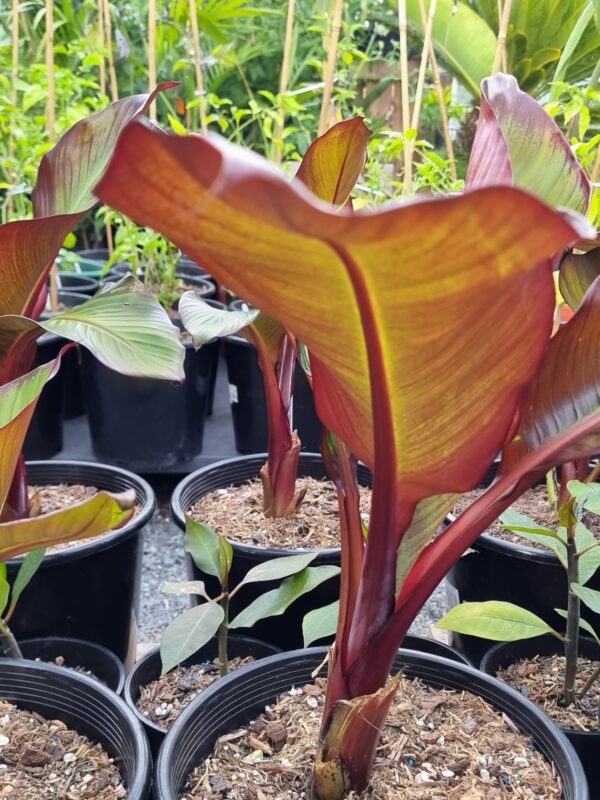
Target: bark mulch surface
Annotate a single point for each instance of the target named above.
(42, 760)
(541, 680)
(46, 499)
(237, 513)
(163, 700)
(534, 504)
(435, 744)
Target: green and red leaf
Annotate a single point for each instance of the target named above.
(97, 515)
(518, 143)
(70, 170)
(122, 325)
(18, 400)
(576, 275)
(62, 197)
(333, 162)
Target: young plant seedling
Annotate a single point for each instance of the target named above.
(213, 555)
(578, 551)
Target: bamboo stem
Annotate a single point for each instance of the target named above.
(198, 65)
(416, 112)
(152, 54)
(439, 90)
(51, 120)
(402, 26)
(51, 99)
(500, 56)
(102, 65)
(111, 62)
(336, 26)
(285, 73)
(13, 102)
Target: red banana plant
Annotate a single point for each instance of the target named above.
(122, 325)
(428, 324)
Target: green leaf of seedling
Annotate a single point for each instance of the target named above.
(587, 494)
(275, 602)
(320, 623)
(225, 559)
(590, 597)
(537, 531)
(495, 619)
(185, 587)
(566, 514)
(202, 543)
(583, 625)
(530, 530)
(189, 632)
(27, 570)
(587, 544)
(4, 593)
(277, 568)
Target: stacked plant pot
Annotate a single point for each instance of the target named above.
(45, 435)
(145, 424)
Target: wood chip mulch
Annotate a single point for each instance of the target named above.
(541, 680)
(534, 504)
(163, 700)
(237, 513)
(435, 744)
(42, 760)
(46, 499)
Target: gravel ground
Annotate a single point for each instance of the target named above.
(164, 561)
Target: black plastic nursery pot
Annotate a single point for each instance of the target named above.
(248, 404)
(148, 669)
(89, 590)
(145, 424)
(45, 434)
(86, 706)
(75, 282)
(284, 631)
(241, 696)
(585, 743)
(502, 570)
(424, 644)
(95, 253)
(78, 654)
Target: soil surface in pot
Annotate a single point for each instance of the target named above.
(535, 505)
(163, 700)
(42, 759)
(237, 513)
(46, 499)
(541, 680)
(436, 744)
(59, 661)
